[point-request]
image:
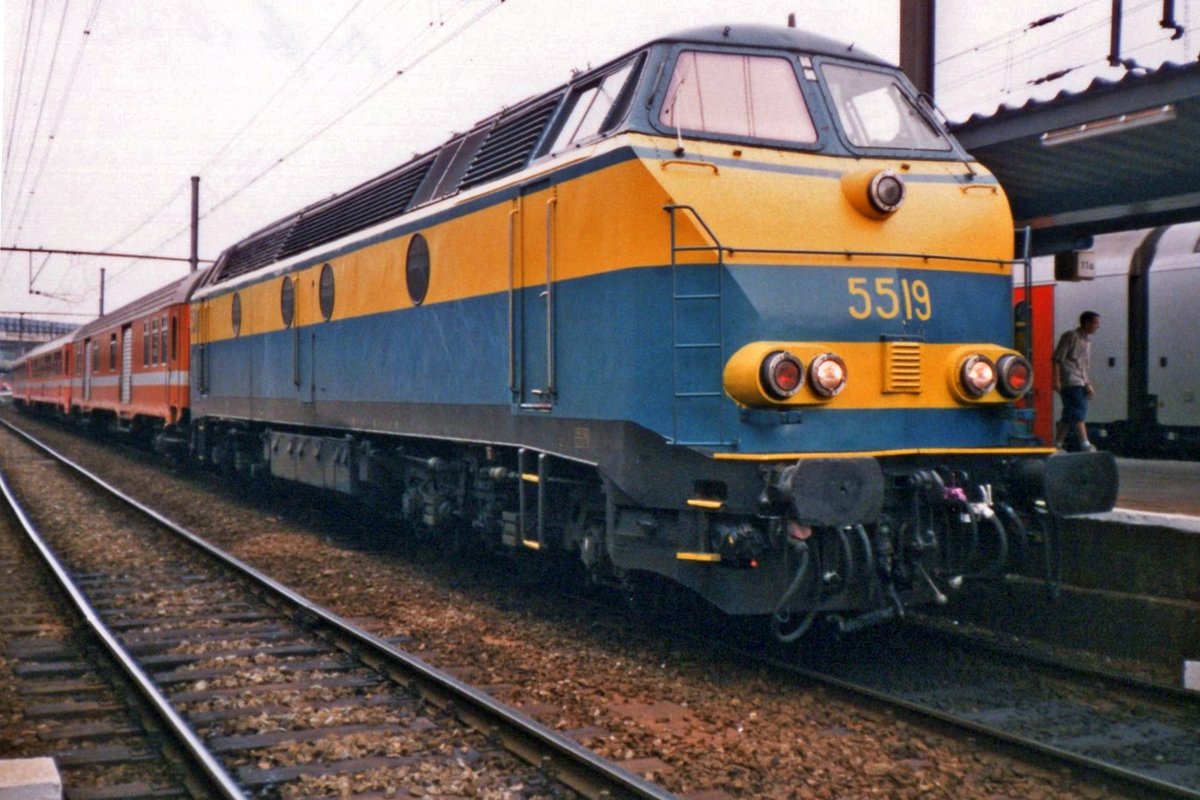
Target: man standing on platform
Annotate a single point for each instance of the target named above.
(1072, 361)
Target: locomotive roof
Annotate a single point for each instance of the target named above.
(173, 293)
(516, 126)
(773, 37)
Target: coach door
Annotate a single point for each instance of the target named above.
(89, 358)
(531, 299)
(126, 364)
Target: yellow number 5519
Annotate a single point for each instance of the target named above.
(882, 298)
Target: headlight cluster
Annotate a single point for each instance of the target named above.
(874, 193)
(978, 375)
(783, 374)
(886, 191)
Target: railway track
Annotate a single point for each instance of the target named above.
(1126, 732)
(814, 737)
(72, 706)
(274, 696)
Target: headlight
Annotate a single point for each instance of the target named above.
(782, 374)
(1015, 375)
(886, 191)
(977, 375)
(827, 372)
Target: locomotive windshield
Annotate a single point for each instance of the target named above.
(875, 112)
(737, 95)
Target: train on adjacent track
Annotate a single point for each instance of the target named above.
(731, 312)
(1145, 284)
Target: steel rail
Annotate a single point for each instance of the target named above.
(1112, 771)
(1161, 693)
(563, 758)
(210, 769)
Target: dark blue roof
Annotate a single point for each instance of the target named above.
(773, 36)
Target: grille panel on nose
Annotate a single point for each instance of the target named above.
(902, 367)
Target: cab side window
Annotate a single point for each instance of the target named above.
(596, 107)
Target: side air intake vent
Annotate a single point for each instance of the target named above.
(249, 256)
(355, 211)
(509, 144)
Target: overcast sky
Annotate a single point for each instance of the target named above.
(110, 105)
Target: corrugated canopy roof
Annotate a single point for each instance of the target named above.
(1117, 155)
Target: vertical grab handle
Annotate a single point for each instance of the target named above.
(551, 207)
(512, 266)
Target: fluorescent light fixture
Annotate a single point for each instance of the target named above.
(1101, 127)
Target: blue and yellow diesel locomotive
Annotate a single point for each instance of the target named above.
(731, 310)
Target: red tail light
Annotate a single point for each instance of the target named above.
(1015, 376)
(782, 374)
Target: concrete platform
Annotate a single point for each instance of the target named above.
(1166, 487)
(1130, 579)
(30, 779)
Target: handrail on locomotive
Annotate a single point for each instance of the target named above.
(723, 249)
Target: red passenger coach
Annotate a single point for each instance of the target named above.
(42, 377)
(131, 366)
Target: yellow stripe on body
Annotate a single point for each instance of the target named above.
(709, 558)
(712, 505)
(913, 451)
(613, 219)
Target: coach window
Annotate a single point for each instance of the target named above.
(154, 342)
(325, 291)
(287, 301)
(417, 269)
(162, 340)
(175, 339)
(236, 313)
(112, 353)
(757, 97)
(145, 344)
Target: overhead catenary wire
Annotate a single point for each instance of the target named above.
(998, 96)
(974, 76)
(1013, 34)
(33, 138)
(383, 80)
(63, 103)
(15, 115)
(183, 186)
(387, 73)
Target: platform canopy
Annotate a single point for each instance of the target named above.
(1118, 155)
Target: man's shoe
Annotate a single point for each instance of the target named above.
(1087, 447)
